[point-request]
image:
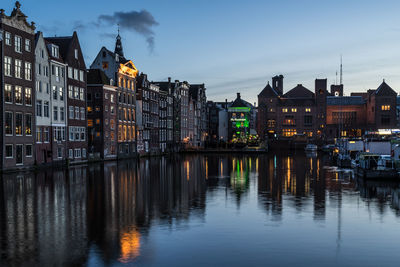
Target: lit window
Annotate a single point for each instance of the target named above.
(284, 110)
(308, 109)
(386, 107)
(294, 109)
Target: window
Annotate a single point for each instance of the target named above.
(38, 134)
(76, 74)
(70, 91)
(70, 73)
(62, 114)
(84, 152)
(18, 44)
(289, 121)
(7, 93)
(284, 110)
(76, 53)
(76, 93)
(289, 132)
(61, 93)
(90, 123)
(294, 109)
(385, 120)
(28, 124)
(8, 38)
(27, 45)
(18, 123)
(385, 107)
(308, 110)
(55, 92)
(97, 121)
(59, 152)
(112, 109)
(81, 78)
(70, 153)
(77, 152)
(28, 71)
(46, 109)
(71, 112)
(18, 95)
(39, 108)
(271, 123)
(71, 133)
(46, 136)
(112, 98)
(308, 120)
(83, 113)
(18, 68)
(82, 94)
(7, 66)
(54, 51)
(8, 123)
(55, 113)
(77, 114)
(28, 96)
(9, 151)
(28, 151)
(83, 134)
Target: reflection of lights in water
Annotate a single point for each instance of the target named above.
(257, 165)
(222, 169)
(206, 168)
(130, 246)
(187, 170)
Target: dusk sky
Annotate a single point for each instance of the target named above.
(237, 46)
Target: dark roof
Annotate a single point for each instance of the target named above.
(344, 100)
(164, 86)
(239, 102)
(97, 76)
(385, 90)
(62, 42)
(299, 92)
(268, 91)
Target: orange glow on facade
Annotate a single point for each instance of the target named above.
(128, 69)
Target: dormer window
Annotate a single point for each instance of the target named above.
(54, 51)
(104, 54)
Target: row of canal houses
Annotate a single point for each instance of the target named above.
(55, 110)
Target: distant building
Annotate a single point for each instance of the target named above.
(122, 72)
(17, 121)
(101, 116)
(240, 116)
(297, 112)
(197, 93)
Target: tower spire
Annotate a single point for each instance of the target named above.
(118, 45)
(341, 70)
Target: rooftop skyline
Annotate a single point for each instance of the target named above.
(235, 46)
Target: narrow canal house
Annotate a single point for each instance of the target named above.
(147, 97)
(297, 112)
(122, 72)
(198, 95)
(240, 114)
(18, 83)
(69, 49)
(101, 115)
(166, 94)
(51, 102)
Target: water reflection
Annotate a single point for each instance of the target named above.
(111, 213)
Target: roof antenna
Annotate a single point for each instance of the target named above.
(118, 28)
(341, 70)
(336, 79)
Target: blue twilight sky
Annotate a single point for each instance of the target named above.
(237, 46)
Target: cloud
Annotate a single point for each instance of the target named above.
(141, 22)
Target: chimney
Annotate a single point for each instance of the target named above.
(169, 79)
(277, 84)
(238, 95)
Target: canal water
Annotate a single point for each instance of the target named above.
(199, 210)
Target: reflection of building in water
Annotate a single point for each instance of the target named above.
(240, 176)
(43, 218)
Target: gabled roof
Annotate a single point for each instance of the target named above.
(268, 91)
(385, 90)
(63, 43)
(97, 76)
(299, 92)
(344, 100)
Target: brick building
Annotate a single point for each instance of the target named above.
(121, 72)
(297, 112)
(101, 115)
(17, 117)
